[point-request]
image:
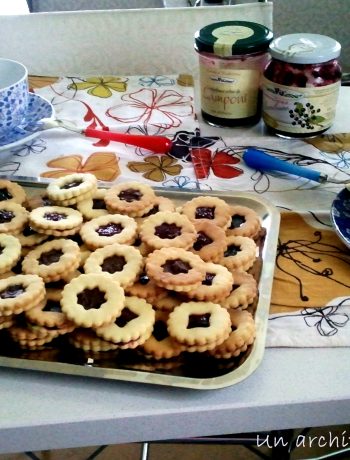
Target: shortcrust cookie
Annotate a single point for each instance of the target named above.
(92, 300)
(160, 204)
(146, 288)
(210, 243)
(240, 253)
(93, 206)
(109, 229)
(54, 218)
(49, 314)
(167, 229)
(241, 336)
(169, 302)
(29, 237)
(199, 324)
(12, 192)
(13, 217)
(216, 285)
(71, 186)
(244, 222)
(19, 293)
(133, 327)
(175, 269)
(131, 198)
(10, 252)
(52, 260)
(38, 201)
(243, 291)
(211, 208)
(123, 262)
(87, 340)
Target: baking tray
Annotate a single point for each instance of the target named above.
(193, 370)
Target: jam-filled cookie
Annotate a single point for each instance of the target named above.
(243, 291)
(93, 206)
(215, 286)
(211, 208)
(242, 335)
(53, 220)
(10, 252)
(87, 340)
(160, 345)
(244, 222)
(12, 192)
(199, 324)
(175, 269)
(109, 229)
(160, 204)
(71, 187)
(167, 229)
(49, 314)
(91, 300)
(123, 262)
(52, 260)
(131, 198)
(29, 237)
(240, 253)
(132, 327)
(38, 200)
(19, 293)
(13, 217)
(145, 288)
(210, 243)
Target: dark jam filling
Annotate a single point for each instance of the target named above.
(1, 249)
(201, 241)
(91, 298)
(5, 194)
(143, 279)
(176, 266)
(98, 203)
(6, 216)
(130, 195)
(154, 210)
(198, 321)
(12, 291)
(208, 280)
(232, 250)
(113, 264)
(54, 216)
(169, 231)
(110, 229)
(72, 184)
(59, 284)
(50, 257)
(28, 231)
(125, 318)
(234, 287)
(236, 221)
(53, 306)
(205, 212)
(160, 331)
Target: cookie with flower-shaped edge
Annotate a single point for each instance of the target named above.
(71, 187)
(211, 208)
(19, 293)
(244, 290)
(10, 252)
(51, 219)
(240, 253)
(12, 192)
(13, 217)
(131, 198)
(216, 285)
(244, 222)
(210, 243)
(93, 206)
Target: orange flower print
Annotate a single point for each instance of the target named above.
(156, 167)
(104, 165)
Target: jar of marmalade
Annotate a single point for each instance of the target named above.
(301, 85)
(232, 56)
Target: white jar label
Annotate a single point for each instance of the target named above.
(229, 93)
(299, 110)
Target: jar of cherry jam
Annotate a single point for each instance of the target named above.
(301, 85)
(232, 57)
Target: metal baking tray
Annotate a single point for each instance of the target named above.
(193, 370)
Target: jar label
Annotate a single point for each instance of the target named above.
(299, 110)
(228, 93)
(227, 36)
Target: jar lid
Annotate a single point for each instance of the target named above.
(229, 38)
(305, 48)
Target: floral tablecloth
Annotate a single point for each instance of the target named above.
(311, 292)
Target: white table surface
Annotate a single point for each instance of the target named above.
(291, 388)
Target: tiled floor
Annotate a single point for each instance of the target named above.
(314, 444)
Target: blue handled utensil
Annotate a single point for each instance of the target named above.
(262, 161)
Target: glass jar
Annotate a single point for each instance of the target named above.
(232, 56)
(301, 85)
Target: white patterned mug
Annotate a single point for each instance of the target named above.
(13, 94)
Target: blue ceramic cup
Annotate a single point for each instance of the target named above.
(13, 94)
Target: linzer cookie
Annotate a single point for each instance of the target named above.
(210, 243)
(109, 229)
(49, 314)
(52, 260)
(55, 220)
(240, 253)
(175, 269)
(216, 285)
(132, 327)
(13, 217)
(87, 340)
(11, 192)
(19, 293)
(131, 198)
(244, 222)
(10, 252)
(72, 188)
(93, 206)
(92, 300)
(29, 237)
(123, 262)
(243, 291)
(160, 204)
(211, 208)
(145, 288)
(167, 229)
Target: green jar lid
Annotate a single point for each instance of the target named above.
(229, 38)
